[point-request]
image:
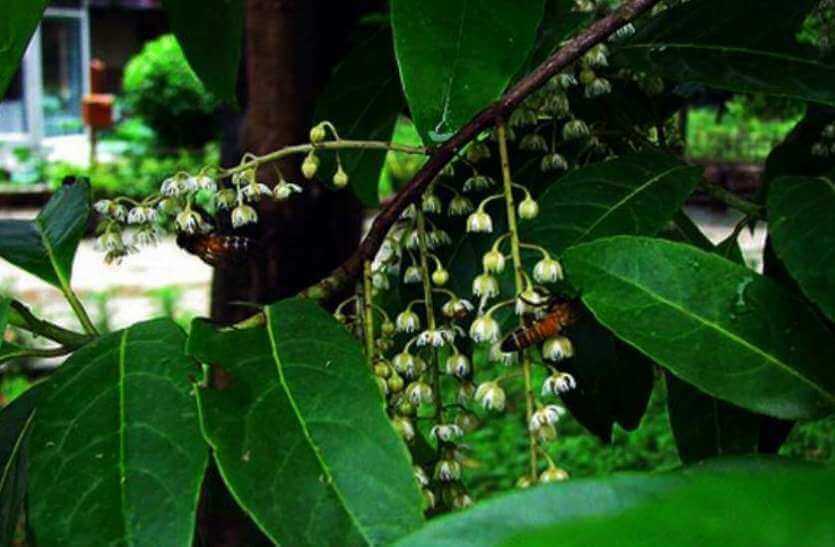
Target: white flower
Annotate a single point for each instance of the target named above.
(491, 396)
(548, 415)
(597, 88)
(557, 348)
(478, 182)
(485, 285)
(625, 31)
(412, 275)
(172, 186)
(533, 142)
(553, 474)
(458, 365)
(461, 500)
(243, 214)
(407, 321)
(380, 280)
(456, 308)
(557, 104)
(575, 129)
(523, 116)
(435, 337)
(446, 432)
(484, 329)
(420, 476)
(141, 215)
(145, 237)
(459, 205)
(820, 149)
(119, 212)
(102, 206)
(431, 204)
(110, 241)
(558, 382)
(597, 56)
(493, 261)
(530, 301)
(547, 270)
(413, 240)
(408, 365)
(498, 356)
(404, 426)
(477, 151)
(447, 470)
(479, 222)
(254, 190)
(528, 208)
(205, 182)
(226, 198)
(189, 221)
(419, 392)
(409, 212)
(437, 238)
(566, 79)
(284, 190)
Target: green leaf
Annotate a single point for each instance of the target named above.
(743, 49)
(794, 155)
(802, 227)
(635, 194)
(705, 427)
(740, 507)
(18, 21)
(455, 58)
(299, 431)
(5, 303)
(717, 325)
(728, 495)
(363, 100)
(15, 430)
(46, 246)
(559, 22)
(210, 33)
(117, 456)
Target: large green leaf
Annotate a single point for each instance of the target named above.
(801, 214)
(771, 506)
(455, 58)
(559, 22)
(744, 48)
(46, 246)
(211, 34)
(18, 20)
(794, 155)
(705, 427)
(15, 430)
(635, 194)
(731, 496)
(116, 451)
(717, 325)
(300, 434)
(363, 100)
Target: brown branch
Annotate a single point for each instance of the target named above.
(351, 269)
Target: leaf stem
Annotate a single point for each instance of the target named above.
(35, 352)
(430, 313)
(78, 309)
(23, 318)
(732, 200)
(368, 313)
(519, 278)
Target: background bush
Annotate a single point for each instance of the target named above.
(161, 89)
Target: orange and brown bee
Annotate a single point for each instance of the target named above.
(561, 313)
(217, 250)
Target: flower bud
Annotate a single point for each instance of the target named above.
(557, 348)
(467, 421)
(440, 276)
(477, 151)
(479, 221)
(395, 383)
(382, 369)
(524, 482)
(318, 133)
(225, 198)
(575, 129)
(430, 203)
(447, 470)
(485, 285)
(102, 206)
(407, 321)
(553, 474)
(412, 275)
(533, 142)
(284, 190)
(310, 165)
(418, 393)
(340, 178)
(387, 328)
(458, 365)
(493, 261)
(459, 205)
(528, 208)
(404, 426)
(405, 408)
(547, 270)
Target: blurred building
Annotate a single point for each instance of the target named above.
(42, 105)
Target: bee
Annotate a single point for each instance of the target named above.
(218, 250)
(560, 314)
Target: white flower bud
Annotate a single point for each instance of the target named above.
(575, 129)
(553, 474)
(102, 206)
(340, 178)
(420, 476)
(440, 276)
(547, 270)
(557, 348)
(528, 208)
(318, 133)
(412, 275)
(447, 470)
(430, 203)
(407, 321)
(284, 190)
(485, 329)
(479, 221)
(243, 214)
(485, 285)
(226, 198)
(493, 261)
(189, 221)
(310, 165)
(419, 392)
(446, 432)
(459, 205)
(404, 426)
(458, 365)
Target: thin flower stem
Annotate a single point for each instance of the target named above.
(520, 282)
(368, 313)
(533, 247)
(257, 161)
(430, 314)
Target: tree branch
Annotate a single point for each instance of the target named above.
(23, 318)
(351, 269)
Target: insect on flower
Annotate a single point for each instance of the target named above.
(561, 313)
(218, 250)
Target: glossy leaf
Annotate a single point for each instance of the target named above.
(5, 303)
(363, 100)
(15, 430)
(717, 325)
(636, 194)
(802, 227)
(559, 22)
(211, 34)
(18, 21)
(455, 58)
(706, 427)
(299, 432)
(757, 508)
(743, 49)
(685, 230)
(794, 155)
(733, 495)
(117, 456)
(46, 246)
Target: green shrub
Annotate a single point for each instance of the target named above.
(161, 89)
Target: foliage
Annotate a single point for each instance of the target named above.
(509, 332)
(160, 88)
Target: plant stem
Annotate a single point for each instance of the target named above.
(34, 352)
(520, 282)
(23, 318)
(79, 310)
(430, 313)
(257, 161)
(732, 200)
(368, 313)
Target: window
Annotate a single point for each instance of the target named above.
(62, 74)
(13, 107)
